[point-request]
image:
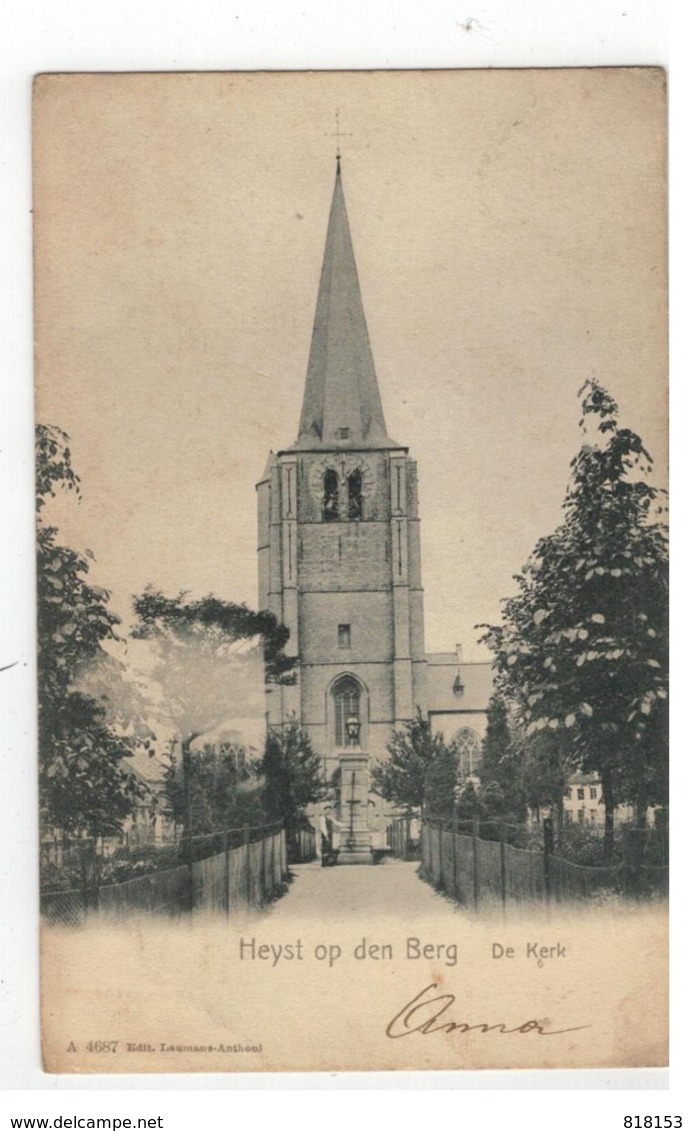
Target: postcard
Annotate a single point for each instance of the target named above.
(352, 569)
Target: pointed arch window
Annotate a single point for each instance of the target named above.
(469, 746)
(347, 705)
(355, 495)
(330, 496)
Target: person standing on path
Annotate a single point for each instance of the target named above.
(329, 836)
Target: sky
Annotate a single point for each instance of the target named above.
(509, 231)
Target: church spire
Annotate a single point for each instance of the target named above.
(341, 404)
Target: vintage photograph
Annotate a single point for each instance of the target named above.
(351, 468)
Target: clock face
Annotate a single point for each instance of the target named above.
(344, 466)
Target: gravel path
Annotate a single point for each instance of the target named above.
(391, 888)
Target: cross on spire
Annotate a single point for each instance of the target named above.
(338, 134)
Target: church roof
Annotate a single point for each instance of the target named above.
(266, 474)
(476, 680)
(341, 404)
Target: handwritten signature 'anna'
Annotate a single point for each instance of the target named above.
(423, 1015)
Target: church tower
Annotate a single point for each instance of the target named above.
(339, 541)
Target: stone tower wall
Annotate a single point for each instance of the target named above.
(317, 575)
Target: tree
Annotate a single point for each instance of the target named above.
(212, 659)
(293, 774)
(469, 804)
(549, 762)
(225, 789)
(412, 749)
(441, 783)
(502, 768)
(86, 786)
(582, 648)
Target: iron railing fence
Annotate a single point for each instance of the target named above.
(471, 869)
(404, 837)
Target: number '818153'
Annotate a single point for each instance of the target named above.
(653, 1121)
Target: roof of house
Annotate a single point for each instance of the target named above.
(584, 779)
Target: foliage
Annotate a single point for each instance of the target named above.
(549, 761)
(212, 659)
(224, 789)
(85, 787)
(503, 788)
(84, 740)
(57, 877)
(401, 779)
(582, 647)
(441, 783)
(206, 658)
(53, 464)
(293, 774)
(206, 651)
(583, 844)
(470, 803)
(128, 864)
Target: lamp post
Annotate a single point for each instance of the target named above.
(353, 764)
(351, 842)
(352, 736)
(352, 730)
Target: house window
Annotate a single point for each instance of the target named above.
(580, 816)
(568, 817)
(355, 495)
(592, 816)
(580, 794)
(469, 746)
(568, 793)
(344, 433)
(346, 706)
(592, 792)
(344, 636)
(330, 497)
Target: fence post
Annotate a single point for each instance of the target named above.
(187, 801)
(226, 874)
(548, 845)
(662, 834)
(503, 866)
(246, 834)
(476, 885)
(454, 852)
(438, 875)
(263, 866)
(187, 818)
(87, 861)
(634, 845)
